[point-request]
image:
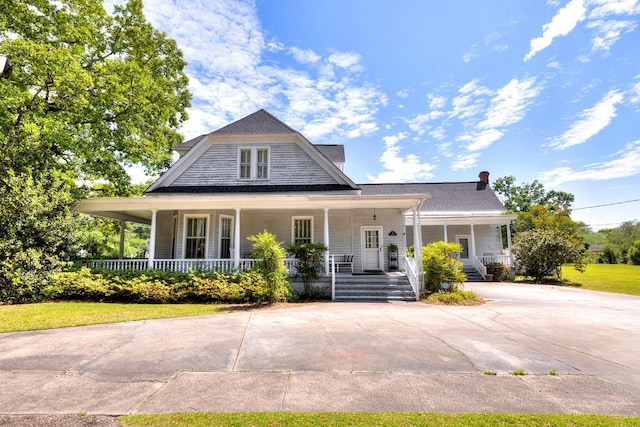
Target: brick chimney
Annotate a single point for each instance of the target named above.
(484, 177)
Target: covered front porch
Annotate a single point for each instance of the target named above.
(210, 234)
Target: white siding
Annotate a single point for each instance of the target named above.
(344, 228)
(288, 165)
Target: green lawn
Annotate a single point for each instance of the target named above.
(619, 278)
(28, 317)
(336, 419)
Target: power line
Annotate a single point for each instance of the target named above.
(607, 204)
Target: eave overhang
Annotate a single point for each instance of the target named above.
(139, 209)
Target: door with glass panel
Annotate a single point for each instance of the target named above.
(372, 249)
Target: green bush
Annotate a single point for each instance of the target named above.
(310, 263)
(155, 286)
(440, 266)
(270, 255)
(633, 254)
(457, 297)
(499, 270)
(543, 252)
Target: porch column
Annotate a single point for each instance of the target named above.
(326, 241)
(446, 236)
(152, 238)
(509, 244)
(473, 242)
(236, 240)
(123, 224)
(417, 247)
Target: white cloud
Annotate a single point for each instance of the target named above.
(561, 24)
(591, 122)
(634, 94)
(436, 102)
(398, 168)
(224, 45)
(510, 104)
(470, 54)
(484, 139)
(418, 123)
(465, 161)
(603, 8)
(626, 164)
(304, 56)
(471, 102)
(608, 32)
(404, 93)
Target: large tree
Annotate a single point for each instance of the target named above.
(83, 94)
(520, 198)
(85, 91)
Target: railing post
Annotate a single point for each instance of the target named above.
(333, 278)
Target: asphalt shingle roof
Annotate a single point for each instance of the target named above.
(445, 196)
(333, 152)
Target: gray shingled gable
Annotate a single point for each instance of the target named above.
(256, 123)
(333, 152)
(445, 196)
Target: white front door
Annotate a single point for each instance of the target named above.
(226, 237)
(464, 241)
(372, 249)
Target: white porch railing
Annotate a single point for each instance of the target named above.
(479, 266)
(412, 274)
(183, 265)
(501, 259)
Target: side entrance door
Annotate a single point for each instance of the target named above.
(464, 240)
(372, 249)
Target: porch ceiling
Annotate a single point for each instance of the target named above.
(138, 209)
(476, 218)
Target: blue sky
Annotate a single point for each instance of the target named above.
(432, 91)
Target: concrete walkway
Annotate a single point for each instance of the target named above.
(343, 357)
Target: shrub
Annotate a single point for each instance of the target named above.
(608, 255)
(457, 297)
(499, 270)
(310, 263)
(440, 267)
(158, 287)
(633, 254)
(543, 252)
(270, 255)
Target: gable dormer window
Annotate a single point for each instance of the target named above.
(253, 163)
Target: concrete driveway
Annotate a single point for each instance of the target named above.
(343, 357)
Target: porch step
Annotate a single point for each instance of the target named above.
(472, 275)
(374, 288)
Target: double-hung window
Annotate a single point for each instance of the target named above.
(195, 236)
(253, 163)
(302, 229)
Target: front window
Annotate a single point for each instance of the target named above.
(245, 164)
(302, 229)
(253, 163)
(195, 237)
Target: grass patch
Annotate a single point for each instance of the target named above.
(302, 419)
(554, 372)
(457, 297)
(618, 278)
(50, 315)
(519, 372)
(489, 372)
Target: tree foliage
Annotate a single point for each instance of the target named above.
(83, 94)
(87, 92)
(35, 226)
(543, 252)
(440, 266)
(520, 198)
(634, 253)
